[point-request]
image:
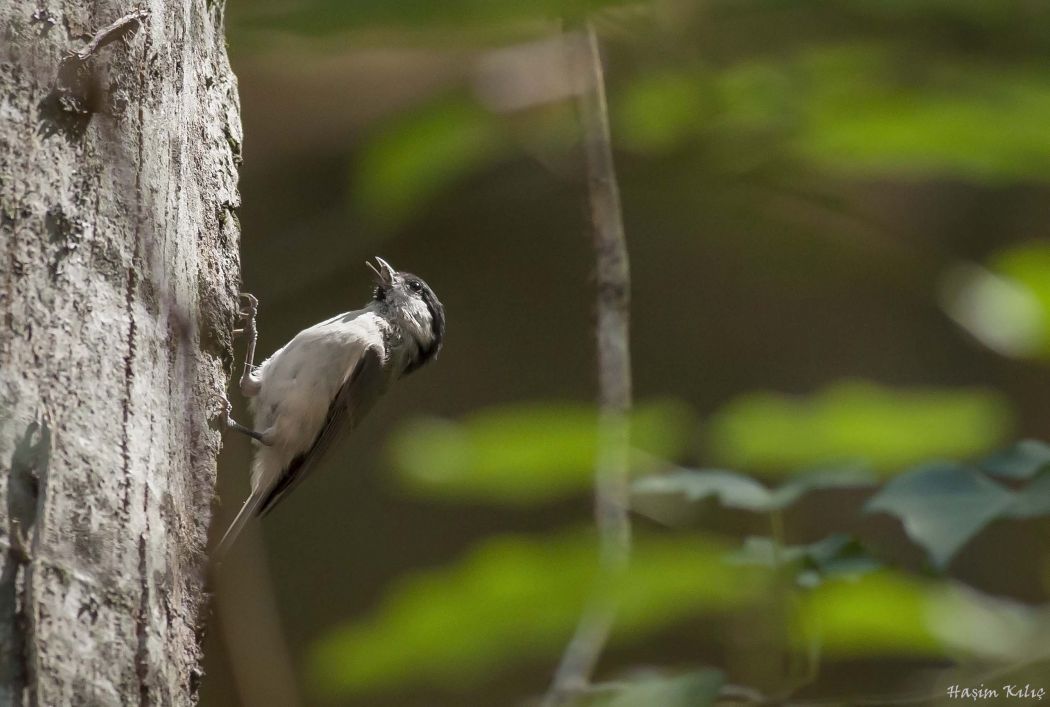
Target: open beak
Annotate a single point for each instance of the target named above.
(384, 274)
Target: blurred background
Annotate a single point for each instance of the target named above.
(837, 216)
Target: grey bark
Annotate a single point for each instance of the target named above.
(118, 275)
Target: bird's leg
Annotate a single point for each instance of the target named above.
(228, 422)
(250, 384)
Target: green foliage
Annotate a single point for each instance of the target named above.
(849, 108)
(943, 505)
(862, 117)
(416, 157)
(881, 614)
(1028, 266)
(1021, 461)
(836, 556)
(525, 453)
(889, 614)
(739, 491)
(321, 17)
(656, 112)
(698, 689)
(1006, 306)
(856, 421)
(519, 597)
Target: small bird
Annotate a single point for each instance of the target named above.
(320, 384)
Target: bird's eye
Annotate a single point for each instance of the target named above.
(415, 285)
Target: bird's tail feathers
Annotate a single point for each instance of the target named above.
(247, 512)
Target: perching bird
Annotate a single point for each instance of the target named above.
(320, 384)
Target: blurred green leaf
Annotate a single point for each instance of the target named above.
(856, 421)
(731, 489)
(865, 115)
(942, 506)
(836, 556)
(880, 614)
(1022, 460)
(519, 597)
(1028, 266)
(525, 453)
(656, 111)
(998, 311)
(698, 689)
(756, 95)
(1033, 500)
(989, 627)
(735, 490)
(419, 155)
(975, 13)
(857, 108)
(889, 614)
(333, 16)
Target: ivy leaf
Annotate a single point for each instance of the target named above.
(942, 506)
(1033, 500)
(735, 490)
(837, 555)
(1023, 460)
(799, 486)
(731, 489)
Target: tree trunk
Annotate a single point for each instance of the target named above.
(117, 293)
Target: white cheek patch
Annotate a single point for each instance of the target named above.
(417, 320)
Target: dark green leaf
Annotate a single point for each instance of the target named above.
(799, 486)
(731, 489)
(1033, 500)
(942, 506)
(838, 555)
(735, 490)
(1023, 460)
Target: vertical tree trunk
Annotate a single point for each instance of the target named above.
(118, 270)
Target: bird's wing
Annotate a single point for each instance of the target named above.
(361, 389)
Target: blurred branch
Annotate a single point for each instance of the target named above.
(614, 369)
(249, 620)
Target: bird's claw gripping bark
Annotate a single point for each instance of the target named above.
(249, 383)
(225, 419)
(247, 315)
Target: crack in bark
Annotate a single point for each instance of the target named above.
(129, 358)
(142, 619)
(129, 375)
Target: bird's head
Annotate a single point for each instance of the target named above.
(409, 302)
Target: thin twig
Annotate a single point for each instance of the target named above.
(614, 370)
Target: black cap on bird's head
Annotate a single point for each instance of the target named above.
(406, 286)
